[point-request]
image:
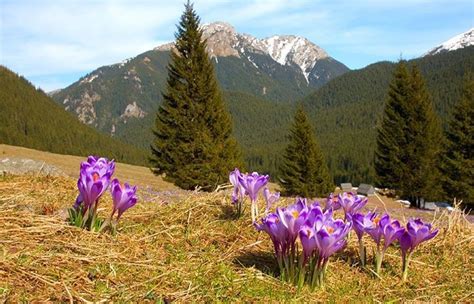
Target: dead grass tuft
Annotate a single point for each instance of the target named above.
(193, 250)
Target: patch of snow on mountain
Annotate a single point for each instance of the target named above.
(457, 42)
(279, 48)
(251, 61)
(288, 50)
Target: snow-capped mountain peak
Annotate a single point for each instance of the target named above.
(287, 50)
(291, 49)
(457, 42)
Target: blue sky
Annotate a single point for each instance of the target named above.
(54, 42)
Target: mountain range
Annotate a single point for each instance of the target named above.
(280, 68)
(262, 81)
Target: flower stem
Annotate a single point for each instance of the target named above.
(378, 261)
(316, 274)
(253, 212)
(362, 253)
(301, 271)
(405, 262)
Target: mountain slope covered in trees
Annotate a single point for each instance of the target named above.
(31, 119)
(347, 110)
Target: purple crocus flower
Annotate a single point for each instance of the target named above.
(252, 183)
(389, 230)
(318, 221)
(293, 217)
(94, 179)
(123, 197)
(308, 241)
(360, 224)
(417, 232)
(278, 233)
(332, 202)
(239, 191)
(331, 237)
(270, 198)
(351, 203)
(376, 231)
(391, 233)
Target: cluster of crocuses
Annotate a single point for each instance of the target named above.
(384, 231)
(321, 235)
(250, 185)
(94, 179)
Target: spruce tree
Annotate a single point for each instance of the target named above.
(194, 145)
(304, 170)
(458, 161)
(409, 139)
(390, 135)
(421, 177)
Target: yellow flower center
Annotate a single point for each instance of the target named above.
(330, 230)
(376, 220)
(295, 214)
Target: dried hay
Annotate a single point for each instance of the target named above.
(194, 250)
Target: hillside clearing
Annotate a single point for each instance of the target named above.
(69, 164)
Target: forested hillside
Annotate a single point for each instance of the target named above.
(346, 111)
(29, 118)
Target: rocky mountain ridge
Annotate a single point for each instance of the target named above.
(223, 40)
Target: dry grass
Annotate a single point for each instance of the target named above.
(193, 250)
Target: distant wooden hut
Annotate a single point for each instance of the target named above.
(366, 189)
(346, 187)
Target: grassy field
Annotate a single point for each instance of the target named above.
(187, 246)
(69, 164)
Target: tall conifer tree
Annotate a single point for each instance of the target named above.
(421, 178)
(390, 138)
(194, 145)
(409, 139)
(458, 157)
(304, 170)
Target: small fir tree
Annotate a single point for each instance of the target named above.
(304, 170)
(458, 161)
(409, 139)
(194, 145)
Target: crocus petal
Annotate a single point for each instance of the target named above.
(405, 242)
(123, 197)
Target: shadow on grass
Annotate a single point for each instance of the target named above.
(263, 261)
(228, 212)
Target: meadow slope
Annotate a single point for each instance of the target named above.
(190, 248)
